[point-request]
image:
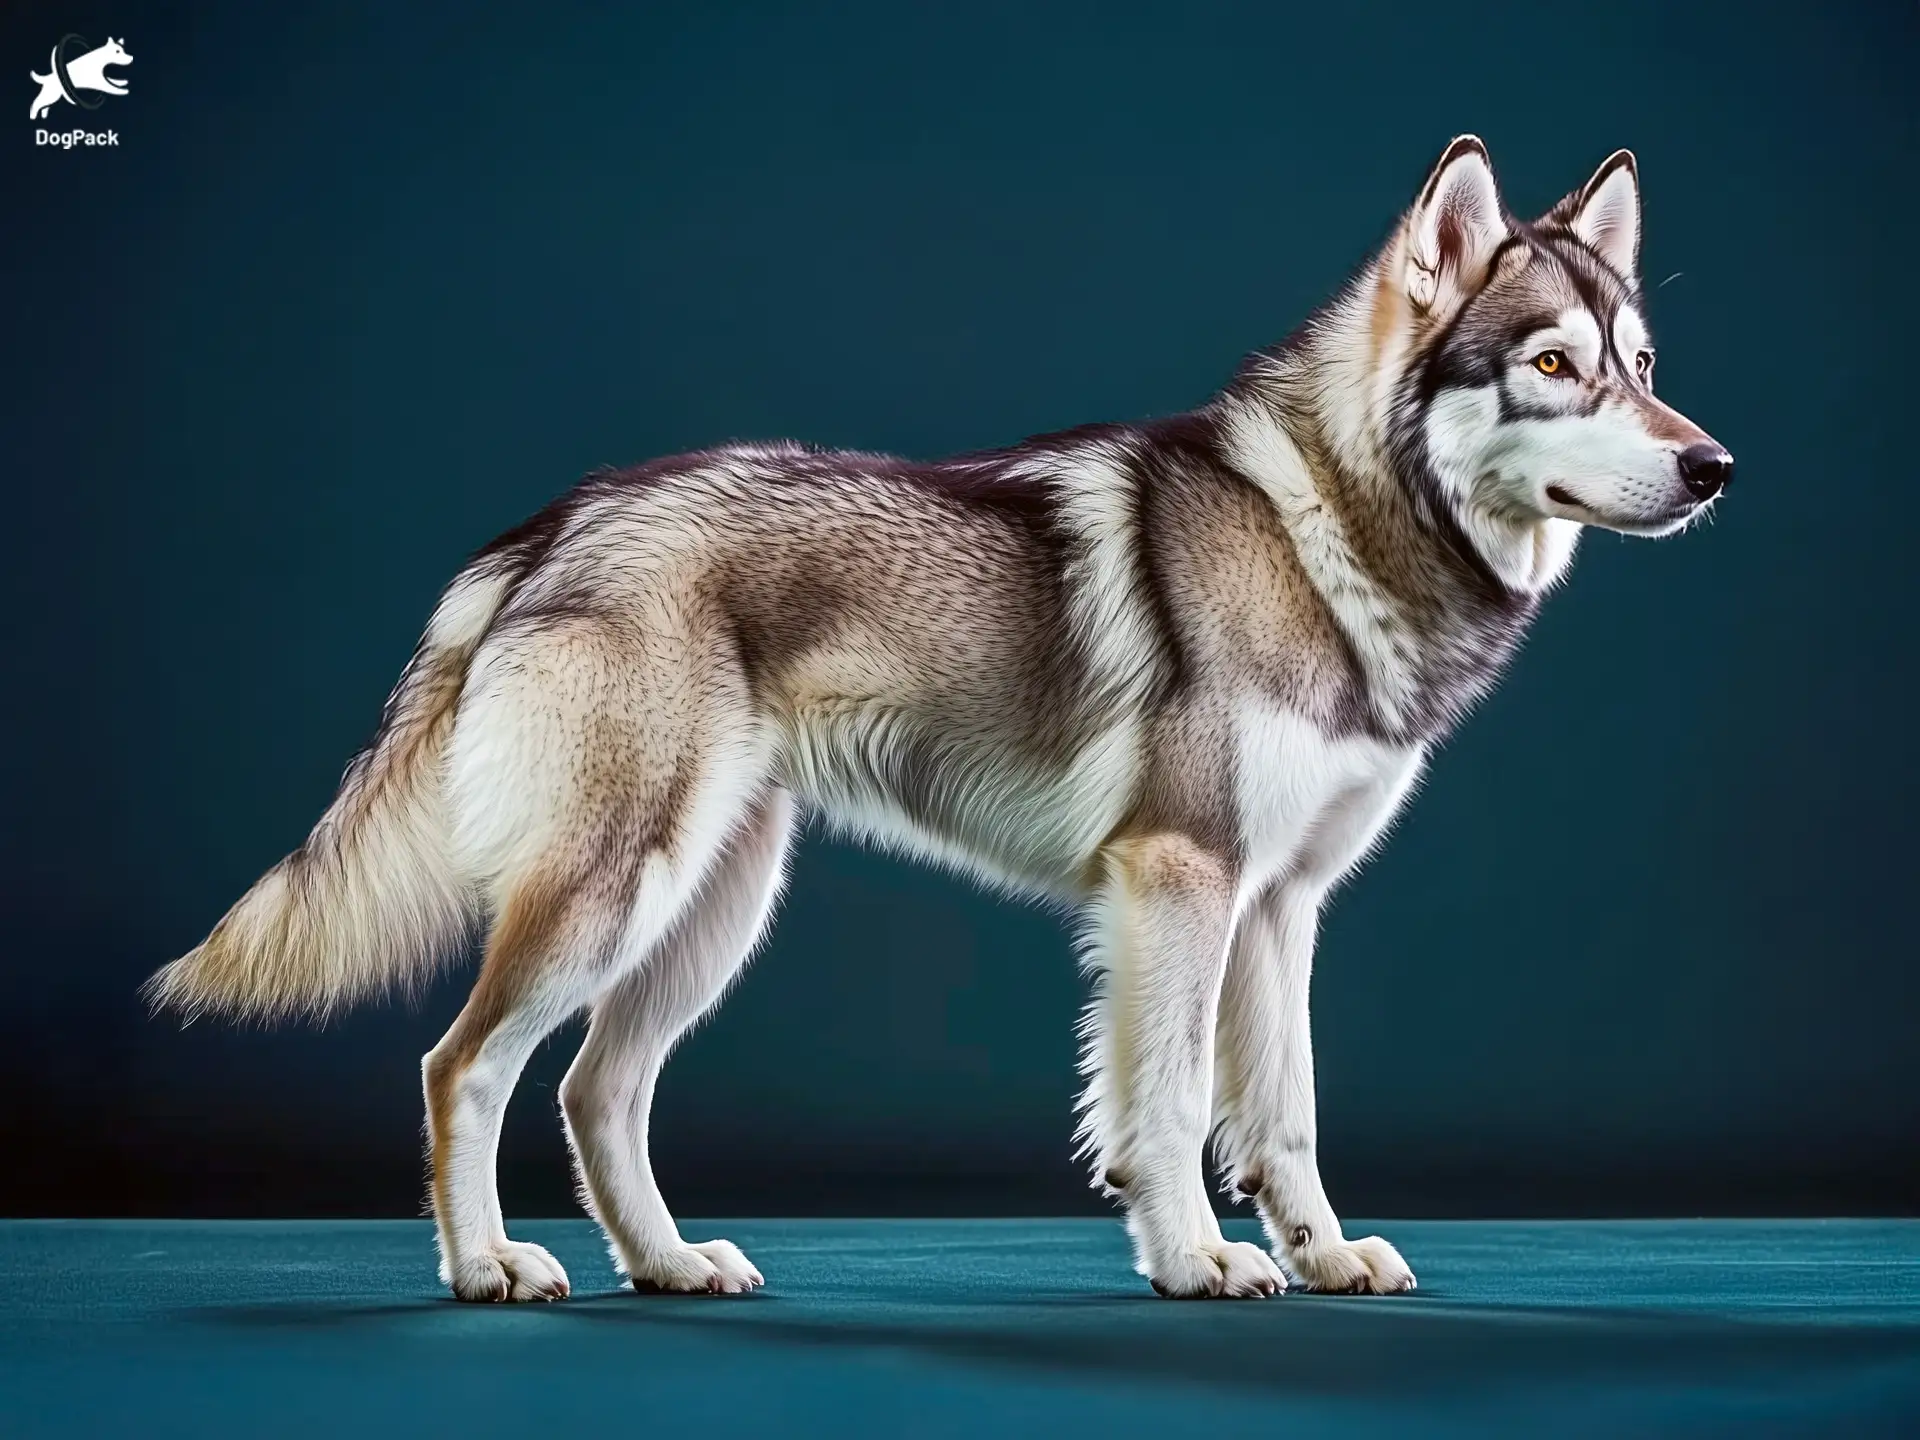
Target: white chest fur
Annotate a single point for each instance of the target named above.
(1311, 804)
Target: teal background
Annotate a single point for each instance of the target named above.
(363, 285)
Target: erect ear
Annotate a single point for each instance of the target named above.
(1455, 226)
(1605, 213)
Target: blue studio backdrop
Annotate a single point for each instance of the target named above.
(362, 285)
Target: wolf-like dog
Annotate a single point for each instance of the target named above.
(1178, 675)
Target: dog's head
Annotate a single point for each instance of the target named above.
(1526, 367)
(90, 71)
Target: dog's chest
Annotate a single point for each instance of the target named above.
(1300, 790)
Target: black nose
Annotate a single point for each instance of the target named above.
(1705, 469)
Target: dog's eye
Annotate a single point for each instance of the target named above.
(1643, 364)
(1550, 362)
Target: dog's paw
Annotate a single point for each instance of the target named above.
(1224, 1269)
(1351, 1267)
(714, 1267)
(512, 1270)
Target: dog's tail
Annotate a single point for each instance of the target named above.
(373, 898)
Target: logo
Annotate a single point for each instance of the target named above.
(78, 76)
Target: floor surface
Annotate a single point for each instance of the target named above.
(962, 1328)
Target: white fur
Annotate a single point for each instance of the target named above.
(1309, 808)
(1156, 938)
(1618, 475)
(1504, 508)
(1294, 782)
(1020, 829)
(461, 618)
(608, 1093)
(1325, 805)
(1630, 340)
(1095, 491)
(1577, 333)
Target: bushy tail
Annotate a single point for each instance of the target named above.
(372, 899)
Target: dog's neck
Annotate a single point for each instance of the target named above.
(1432, 591)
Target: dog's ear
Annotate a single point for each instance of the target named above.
(1454, 227)
(1605, 213)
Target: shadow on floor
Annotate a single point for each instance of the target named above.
(1299, 1345)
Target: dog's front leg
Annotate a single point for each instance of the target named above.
(1265, 1104)
(1160, 928)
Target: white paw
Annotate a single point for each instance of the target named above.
(512, 1270)
(1230, 1269)
(714, 1267)
(1351, 1267)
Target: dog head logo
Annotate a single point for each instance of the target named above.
(79, 75)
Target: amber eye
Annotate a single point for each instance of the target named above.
(1550, 362)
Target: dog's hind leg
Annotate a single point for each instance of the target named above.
(565, 934)
(548, 954)
(595, 777)
(608, 1094)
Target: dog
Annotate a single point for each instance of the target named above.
(86, 72)
(1179, 675)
